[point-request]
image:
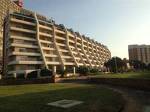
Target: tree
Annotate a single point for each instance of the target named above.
(82, 70)
(148, 66)
(116, 64)
(0, 67)
(137, 65)
(46, 72)
(63, 72)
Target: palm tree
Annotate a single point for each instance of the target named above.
(115, 64)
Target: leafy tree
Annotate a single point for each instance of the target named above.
(83, 70)
(148, 66)
(62, 72)
(20, 76)
(46, 72)
(94, 70)
(116, 64)
(32, 75)
(137, 65)
(0, 67)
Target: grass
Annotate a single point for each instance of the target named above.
(145, 75)
(33, 98)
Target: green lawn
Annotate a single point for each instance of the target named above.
(33, 98)
(145, 74)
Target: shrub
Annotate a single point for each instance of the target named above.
(94, 70)
(20, 76)
(8, 78)
(32, 75)
(0, 71)
(83, 70)
(46, 72)
(63, 72)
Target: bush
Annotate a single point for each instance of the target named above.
(83, 70)
(46, 72)
(8, 78)
(69, 69)
(20, 76)
(63, 72)
(32, 75)
(0, 71)
(94, 70)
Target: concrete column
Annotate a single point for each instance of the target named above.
(64, 68)
(25, 75)
(15, 75)
(74, 70)
(54, 70)
(38, 73)
(54, 74)
(108, 70)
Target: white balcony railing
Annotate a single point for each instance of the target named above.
(23, 30)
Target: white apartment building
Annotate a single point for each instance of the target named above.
(32, 42)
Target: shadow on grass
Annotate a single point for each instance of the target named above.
(95, 99)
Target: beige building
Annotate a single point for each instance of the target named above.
(5, 5)
(33, 42)
(140, 53)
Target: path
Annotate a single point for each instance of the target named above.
(137, 100)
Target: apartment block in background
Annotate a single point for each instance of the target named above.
(140, 53)
(6, 5)
(33, 42)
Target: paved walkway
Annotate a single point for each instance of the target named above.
(137, 100)
(141, 99)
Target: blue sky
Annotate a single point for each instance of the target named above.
(115, 23)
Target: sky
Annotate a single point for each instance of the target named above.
(114, 23)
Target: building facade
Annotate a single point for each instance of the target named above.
(5, 6)
(33, 42)
(140, 53)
